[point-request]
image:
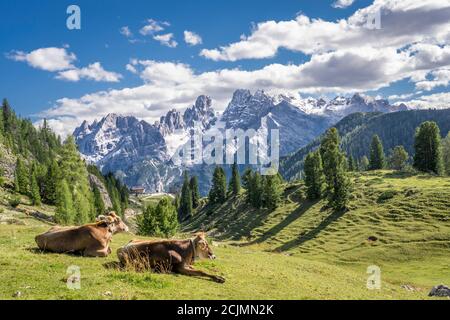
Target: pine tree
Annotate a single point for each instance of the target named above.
(352, 165)
(34, 187)
(218, 192)
(235, 182)
(99, 204)
(50, 183)
(246, 177)
(364, 164)
(193, 184)
(398, 158)
(446, 153)
(272, 191)
(64, 204)
(255, 190)
(160, 220)
(185, 211)
(314, 178)
(74, 171)
(335, 164)
(376, 161)
(428, 153)
(21, 180)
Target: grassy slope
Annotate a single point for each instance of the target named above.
(413, 228)
(296, 252)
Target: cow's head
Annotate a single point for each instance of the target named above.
(114, 222)
(202, 247)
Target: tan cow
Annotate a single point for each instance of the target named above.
(173, 255)
(91, 240)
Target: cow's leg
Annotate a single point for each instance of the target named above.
(96, 252)
(189, 271)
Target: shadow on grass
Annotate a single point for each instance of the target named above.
(313, 233)
(294, 215)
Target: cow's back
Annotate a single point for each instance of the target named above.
(65, 239)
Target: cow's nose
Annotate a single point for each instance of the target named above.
(213, 257)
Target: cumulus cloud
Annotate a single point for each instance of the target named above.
(192, 39)
(437, 101)
(93, 72)
(125, 31)
(153, 26)
(48, 59)
(402, 23)
(343, 3)
(170, 85)
(166, 40)
(61, 61)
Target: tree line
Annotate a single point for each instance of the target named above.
(52, 172)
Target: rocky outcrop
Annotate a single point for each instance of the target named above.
(95, 181)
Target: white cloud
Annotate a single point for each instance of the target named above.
(166, 40)
(48, 59)
(93, 72)
(125, 31)
(170, 85)
(402, 23)
(60, 61)
(191, 38)
(153, 26)
(437, 100)
(343, 3)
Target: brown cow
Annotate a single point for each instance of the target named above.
(174, 255)
(91, 240)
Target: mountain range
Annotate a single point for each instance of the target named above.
(140, 153)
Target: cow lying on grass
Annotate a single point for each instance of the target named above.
(91, 240)
(168, 255)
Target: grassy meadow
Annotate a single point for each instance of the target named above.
(299, 251)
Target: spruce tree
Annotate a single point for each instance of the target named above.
(364, 164)
(352, 165)
(446, 153)
(255, 190)
(338, 185)
(218, 192)
(99, 204)
(272, 192)
(193, 184)
(50, 183)
(160, 220)
(235, 182)
(398, 158)
(34, 188)
(185, 211)
(21, 180)
(64, 214)
(376, 161)
(314, 178)
(427, 145)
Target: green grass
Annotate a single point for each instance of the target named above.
(299, 251)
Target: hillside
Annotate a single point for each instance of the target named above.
(408, 215)
(357, 130)
(251, 273)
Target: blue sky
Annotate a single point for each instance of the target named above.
(33, 89)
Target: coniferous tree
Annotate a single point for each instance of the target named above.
(21, 180)
(314, 178)
(364, 164)
(398, 158)
(185, 211)
(64, 204)
(246, 177)
(193, 184)
(376, 161)
(218, 192)
(446, 153)
(34, 187)
(272, 191)
(427, 145)
(50, 183)
(99, 204)
(160, 220)
(255, 190)
(352, 165)
(335, 164)
(235, 182)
